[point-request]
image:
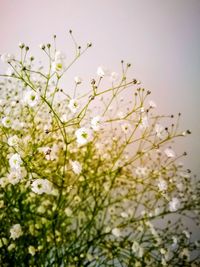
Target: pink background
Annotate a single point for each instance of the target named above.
(160, 38)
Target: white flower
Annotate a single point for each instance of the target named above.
(59, 56)
(15, 161)
(76, 166)
(14, 177)
(162, 185)
(124, 214)
(6, 58)
(159, 129)
(40, 186)
(58, 63)
(96, 123)
(186, 233)
(114, 76)
(57, 66)
(15, 231)
(68, 212)
(101, 71)
(120, 115)
(116, 232)
(169, 153)
(136, 248)
(6, 121)
(3, 182)
(13, 140)
(83, 136)
(73, 105)
(174, 204)
(77, 80)
(144, 123)
(141, 171)
(152, 104)
(31, 250)
(31, 98)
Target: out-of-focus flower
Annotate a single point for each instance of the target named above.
(162, 185)
(102, 71)
(169, 153)
(13, 140)
(116, 232)
(77, 80)
(152, 104)
(96, 123)
(40, 186)
(31, 250)
(174, 204)
(6, 121)
(31, 98)
(159, 129)
(6, 58)
(83, 136)
(16, 231)
(114, 76)
(141, 171)
(137, 249)
(73, 105)
(76, 166)
(15, 161)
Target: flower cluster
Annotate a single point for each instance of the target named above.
(90, 179)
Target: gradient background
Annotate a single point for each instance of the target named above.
(160, 38)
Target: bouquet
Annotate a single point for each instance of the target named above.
(90, 178)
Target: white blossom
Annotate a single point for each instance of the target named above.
(169, 153)
(144, 123)
(73, 105)
(40, 186)
(96, 123)
(76, 166)
(159, 129)
(102, 71)
(152, 104)
(15, 231)
(83, 136)
(31, 98)
(77, 80)
(137, 249)
(68, 212)
(14, 177)
(31, 250)
(15, 161)
(116, 232)
(6, 121)
(6, 58)
(13, 140)
(162, 185)
(114, 76)
(174, 204)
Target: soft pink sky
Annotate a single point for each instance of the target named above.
(160, 38)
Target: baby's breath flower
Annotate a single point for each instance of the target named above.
(31, 98)
(174, 204)
(96, 123)
(13, 140)
(162, 184)
(101, 71)
(68, 212)
(73, 105)
(83, 136)
(76, 166)
(152, 104)
(169, 153)
(114, 76)
(15, 161)
(6, 121)
(16, 231)
(116, 232)
(40, 186)
(6, 58)
(77, 80)
(137, 249)
(31, 250)
(159, 129)
(14, 177)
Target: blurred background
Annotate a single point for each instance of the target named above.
(160, 38)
